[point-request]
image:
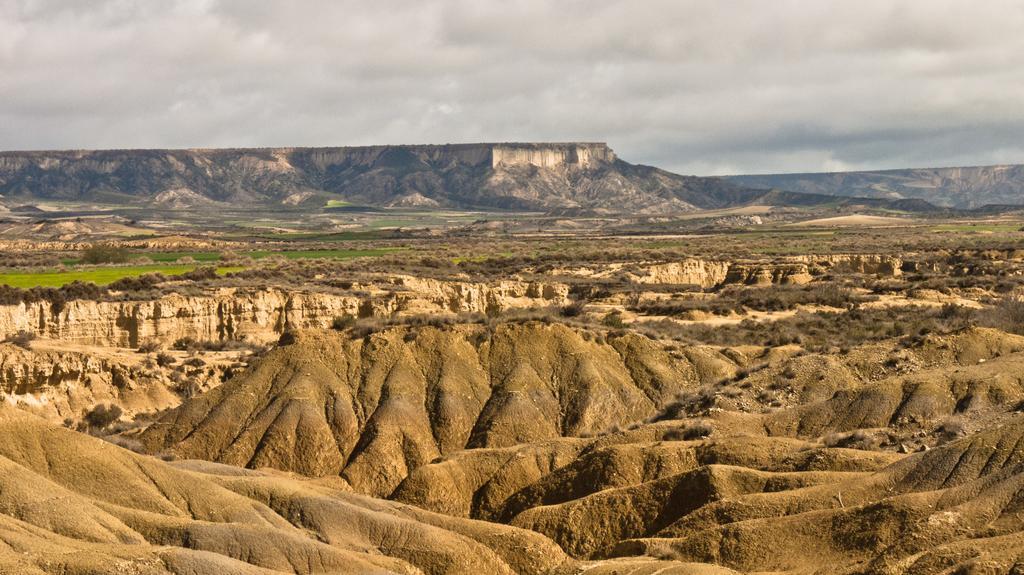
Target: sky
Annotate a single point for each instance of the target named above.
(704, 87)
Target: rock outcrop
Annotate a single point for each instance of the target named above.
(61, 384)
(261, 315)
(714, 273)
(693, 271)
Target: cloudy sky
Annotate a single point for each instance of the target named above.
(702, 87)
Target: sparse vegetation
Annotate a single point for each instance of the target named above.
(22, 339)
(105, 254)
(102, 416)
(343, 322)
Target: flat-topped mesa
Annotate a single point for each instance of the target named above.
(550, 155)
(506, 154)
(496, 175)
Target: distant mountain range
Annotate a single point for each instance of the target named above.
(966, 188)
(546, 177)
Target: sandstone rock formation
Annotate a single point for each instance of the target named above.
(262, 315)
(716, 273)
(61, 382)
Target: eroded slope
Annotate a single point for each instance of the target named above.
(372, 409)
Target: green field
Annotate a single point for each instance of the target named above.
(481, 258)
(318, 254)
(98, 276)
(165, 264)
(328, 236)
(205, 257)
(337, 204)
(988, 228)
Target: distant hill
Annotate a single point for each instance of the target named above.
(968, 188)
(516, 176)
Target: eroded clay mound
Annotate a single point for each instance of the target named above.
(373, 409)
(70, 504)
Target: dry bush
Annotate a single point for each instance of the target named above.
(101, 416)
(22, 339)
(858, 439)
(1007, 315)
(140, 283)
(105, 254)
(574, 309)
(149, 346)
(951, 428)
(691, 431)
(613, 319)
(343, 322)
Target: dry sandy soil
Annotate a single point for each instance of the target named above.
(856, 220)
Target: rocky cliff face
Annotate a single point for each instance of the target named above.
(788, 270)
(261, 315)
(551, 156)
(875, 264)
(705, 273)
(61, 382)
(507, 175)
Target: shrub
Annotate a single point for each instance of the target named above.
(140, 283)
(201, 274)
(572, 310)
(22, 339)
(1007, 315)
(952, 427)
(697, 430)
(185, 343)
(164, 359)
(859, 439)
(105, 254)
(613, 320)
(102, 415)
(343, 322)
(149, 346)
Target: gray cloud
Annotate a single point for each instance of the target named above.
(698, 87)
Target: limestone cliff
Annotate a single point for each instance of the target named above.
(261, 315)
(693, 271)
(714, 273)
(60, 382)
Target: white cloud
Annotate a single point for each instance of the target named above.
(699, 87)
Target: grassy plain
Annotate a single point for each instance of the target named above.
(98, 276)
